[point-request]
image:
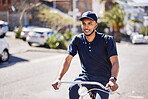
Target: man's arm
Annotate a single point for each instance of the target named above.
(115, 66)
(114, 72)
(63, 70)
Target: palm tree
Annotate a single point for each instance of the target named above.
(108, 4)
(115, 18)
(135, 22)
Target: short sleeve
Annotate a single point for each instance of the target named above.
(72, 50)
(111, 46)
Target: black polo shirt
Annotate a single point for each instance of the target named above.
(92, 54)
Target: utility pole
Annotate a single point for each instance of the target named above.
(74, 16)
(11, 6)
(75, 13)
(54, 4)
(1, 9)
(7, 12)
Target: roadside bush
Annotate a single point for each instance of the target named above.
(68, 35)
(56, 42)
(59, 40)
(18, 33)
(145, 31)
(61, 45)
(52, 41)
(101, 27)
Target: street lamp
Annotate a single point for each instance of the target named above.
(75, 13)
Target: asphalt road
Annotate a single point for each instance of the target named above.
(31, 70)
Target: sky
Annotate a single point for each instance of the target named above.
(141, 1)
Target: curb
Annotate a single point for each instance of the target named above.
(41, 50)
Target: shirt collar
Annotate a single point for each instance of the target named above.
(85, 40)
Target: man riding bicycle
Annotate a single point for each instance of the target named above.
(98, 56)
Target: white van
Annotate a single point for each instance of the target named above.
(3, 28)
(4, 50)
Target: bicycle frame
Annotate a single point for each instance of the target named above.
(83, 90)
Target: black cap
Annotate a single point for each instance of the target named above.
(90, 15)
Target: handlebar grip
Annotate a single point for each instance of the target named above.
(109, 89)
(59, 84)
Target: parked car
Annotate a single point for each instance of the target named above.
(4, 50)
(39, 36)
(3, 28)
(146, 39)
(137, 38)
(26, 30)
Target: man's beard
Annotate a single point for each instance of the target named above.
(90, 33)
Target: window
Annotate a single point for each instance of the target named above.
(39, 32)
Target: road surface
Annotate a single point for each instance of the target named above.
(31, 70)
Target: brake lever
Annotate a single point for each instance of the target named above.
(59, 84)
(112, 92)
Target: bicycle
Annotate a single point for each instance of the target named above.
(83, 91)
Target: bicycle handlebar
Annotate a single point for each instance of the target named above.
(108, 90)
(83, 82)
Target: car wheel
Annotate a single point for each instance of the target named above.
(5, 56)
(24, 39)
(30, 43)
(2, 36)
(46, 45)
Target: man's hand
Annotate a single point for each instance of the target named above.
(113, 85)
(55, 84)
(63, 70)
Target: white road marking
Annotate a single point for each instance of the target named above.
(136, 97)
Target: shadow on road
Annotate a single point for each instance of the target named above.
(41, 46)
(12, 60)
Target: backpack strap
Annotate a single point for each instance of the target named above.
(77, 41)
(77, 45)
(105, 47)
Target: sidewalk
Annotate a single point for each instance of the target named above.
(20, 46)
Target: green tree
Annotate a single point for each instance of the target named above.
(115, 18)
(23, 6)
(145, 31)
(101, 27)
(135, 22)
(108, 4)
(68, 35)
(54, 18)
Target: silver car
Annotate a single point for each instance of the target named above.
(26, 30)
(39, 36)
